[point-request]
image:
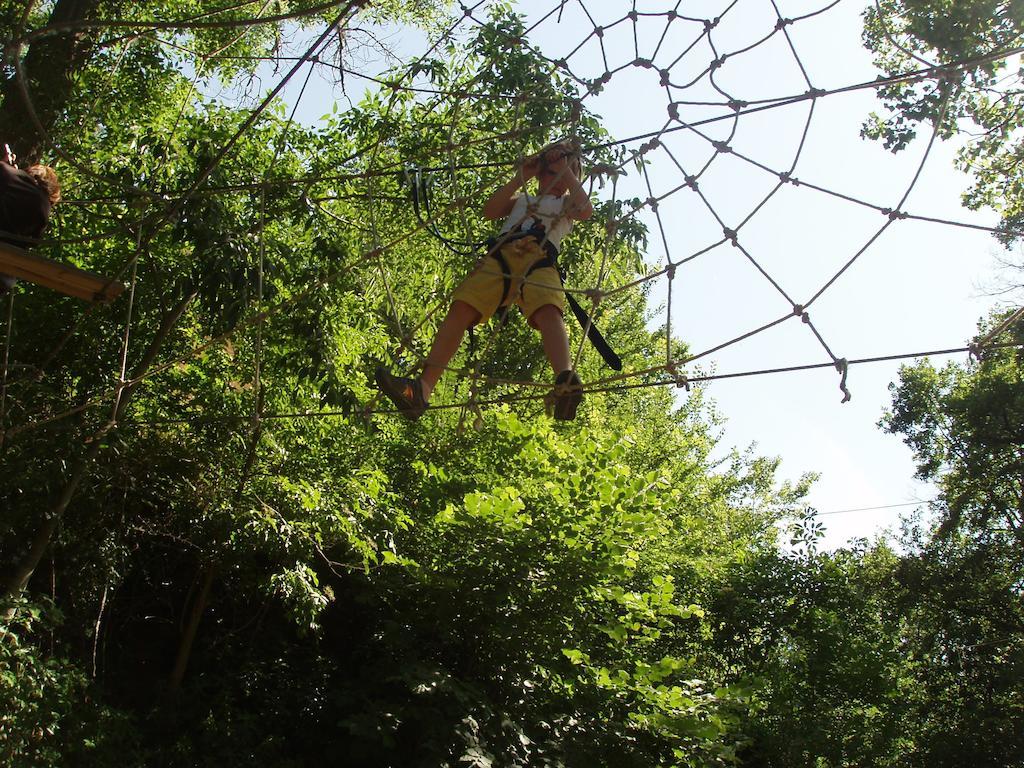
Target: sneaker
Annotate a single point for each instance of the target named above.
(406, 394)
(568, 394)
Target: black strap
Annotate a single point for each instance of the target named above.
(420, 196)
(606, 352)
(550, 260)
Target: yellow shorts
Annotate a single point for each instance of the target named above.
(482, 288)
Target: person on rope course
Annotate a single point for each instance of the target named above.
(519, 268)
(26, 199)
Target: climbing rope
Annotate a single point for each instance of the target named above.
(371, 168)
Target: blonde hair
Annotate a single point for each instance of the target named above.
(46, 179)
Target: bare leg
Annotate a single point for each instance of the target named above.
(460, 318)
(548, 320)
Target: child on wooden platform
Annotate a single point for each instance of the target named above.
(26, 199)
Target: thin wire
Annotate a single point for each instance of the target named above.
(127, 337)
(63, 27)
(6, 362)
(675, 381)
(874, 509)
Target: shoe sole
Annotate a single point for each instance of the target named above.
(385, 384)
(566, 405)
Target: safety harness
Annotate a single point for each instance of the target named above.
(538, 233)
(420, 196)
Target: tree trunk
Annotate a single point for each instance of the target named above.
(189, 635)
(49, 66)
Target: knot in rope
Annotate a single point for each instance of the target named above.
(681, 380)
(814, 93)
(673, 110)
(645, 63)
(722, 147)
(653, 203)
(736, 105)
(647, 146)
(843, 366)
(730, 235)
(691, 182)
(670, 271)
(604, 169)
(782, 24)
(595, 295)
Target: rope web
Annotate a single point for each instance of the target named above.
(708, 113)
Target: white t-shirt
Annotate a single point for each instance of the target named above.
(546, 210)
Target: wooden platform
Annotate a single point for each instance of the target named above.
(64, 278)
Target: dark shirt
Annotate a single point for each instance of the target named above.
(24, 206)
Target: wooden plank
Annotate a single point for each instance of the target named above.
(71, 281)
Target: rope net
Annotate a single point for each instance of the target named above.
(689, 152)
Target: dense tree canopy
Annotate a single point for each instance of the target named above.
(979, 98)
(963, 595)
(215, 551)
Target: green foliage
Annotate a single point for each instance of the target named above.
(37, 692)
(817, 639)
(964, 623)
(47, 714)
(961, 595)
(383, 592)
(386, 593)
(963, 425)
(979, 97)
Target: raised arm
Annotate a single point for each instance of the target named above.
(499, 204)
(578, 206)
